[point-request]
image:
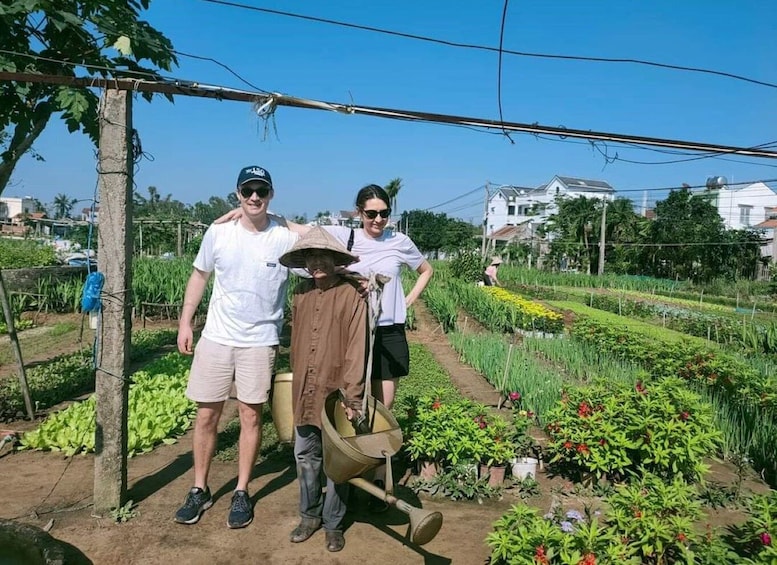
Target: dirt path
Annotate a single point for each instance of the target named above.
(39, 487)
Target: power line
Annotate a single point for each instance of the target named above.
(499, 71)
(474, 190)
(373, 29)
(266, 105)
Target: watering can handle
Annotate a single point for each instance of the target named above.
(375, 291)
(360, 420)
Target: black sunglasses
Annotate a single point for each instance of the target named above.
(372, 214)
(261, 192)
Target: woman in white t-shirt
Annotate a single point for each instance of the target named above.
(385, 252)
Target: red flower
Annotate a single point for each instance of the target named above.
(540, 557)
(684, 416)
(681, 537)
(588, 559)
(640, 388)
(584, 410)
(436, 405)
(568, 445)
(583, 448)
(766, 539)
(602, 441)
(514, 396)
(637, 513)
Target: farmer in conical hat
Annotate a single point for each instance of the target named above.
(328, 352)
(489, 277)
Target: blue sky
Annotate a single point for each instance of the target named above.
(320, 159)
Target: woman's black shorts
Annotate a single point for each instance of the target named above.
(391, 356)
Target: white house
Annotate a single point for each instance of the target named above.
(90, 216)
(12, 206)
(740, 206)
(514, 205)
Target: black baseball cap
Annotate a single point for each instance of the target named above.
(253, 172)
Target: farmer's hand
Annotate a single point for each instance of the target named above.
(350, 413)
(235, 214)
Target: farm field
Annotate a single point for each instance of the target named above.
(543, 359)
(47, 486)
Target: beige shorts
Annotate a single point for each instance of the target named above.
(215, 366)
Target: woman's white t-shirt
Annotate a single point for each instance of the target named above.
(385, 255)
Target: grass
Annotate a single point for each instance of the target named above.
(40, 343)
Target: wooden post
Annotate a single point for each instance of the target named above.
(180, 239)
(17, 349)
(115, 262)
(502, 396)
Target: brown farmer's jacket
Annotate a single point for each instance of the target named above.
(328, 347)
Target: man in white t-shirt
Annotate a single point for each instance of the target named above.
(240, 338)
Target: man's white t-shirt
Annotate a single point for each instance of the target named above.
(385, 255)
(249, 290)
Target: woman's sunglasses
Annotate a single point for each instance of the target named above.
(261, 192)
(372, 214)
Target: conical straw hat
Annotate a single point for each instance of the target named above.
(317, 238)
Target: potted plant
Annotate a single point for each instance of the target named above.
(445, 434)
(524, 464)
(498, 452)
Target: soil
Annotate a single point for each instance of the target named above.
(46, 489)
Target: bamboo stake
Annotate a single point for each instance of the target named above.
(16, 347)
(502, 396)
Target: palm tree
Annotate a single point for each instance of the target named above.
(63, 205)
(392, 189)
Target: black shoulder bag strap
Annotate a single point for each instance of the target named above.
(350, 241)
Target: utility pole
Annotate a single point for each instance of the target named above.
(115, 262)
(485, 222)
(602, 235)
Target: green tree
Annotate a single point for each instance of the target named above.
(205, 213)
(624, 228)
(572, 230)
(105, 36)
(63, 205)
(688, 239)
(459, 236)
(392, 189)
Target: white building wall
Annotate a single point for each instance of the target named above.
(14, 206)
(747, 206)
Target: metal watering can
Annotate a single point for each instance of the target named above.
(348, 455)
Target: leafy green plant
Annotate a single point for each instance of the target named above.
(525, 488)
(648, 522)
(498, 448)
(20, 253)
(755, 539)
(468, 266)
(124, 513)
(158, 412)
(522, 536)
(656, 518)
(612, 430)
(458, 482)
(447, 433)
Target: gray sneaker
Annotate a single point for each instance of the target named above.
(241, 514)
(197, 501)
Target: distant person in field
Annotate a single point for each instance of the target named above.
(328, 353)
(240, 338)
(490, 277)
